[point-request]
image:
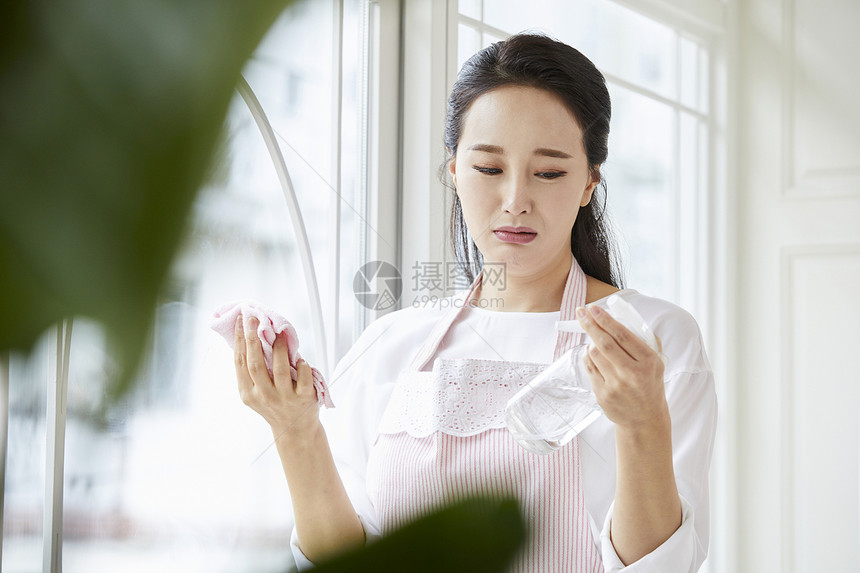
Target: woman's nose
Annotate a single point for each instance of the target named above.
(517, 198)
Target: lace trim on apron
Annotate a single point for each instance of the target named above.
(460, 397)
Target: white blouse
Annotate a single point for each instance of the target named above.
(363, 381)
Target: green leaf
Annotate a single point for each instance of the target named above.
(478, 535)
(110, 111)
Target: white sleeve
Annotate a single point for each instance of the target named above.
(305, 564)
(360, 388)
(693, 407)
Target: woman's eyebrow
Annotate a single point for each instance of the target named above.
(487, 148)
(544, 151)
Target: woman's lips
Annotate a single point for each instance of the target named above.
(519, 235)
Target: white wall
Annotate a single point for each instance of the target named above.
(796, 398)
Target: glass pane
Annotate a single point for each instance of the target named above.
(514, 16)
(692, 184)
(25, 458)
(694, 75)
(470, 8)
(168, 479)
(487, 39)
(689, 63)
(640, 178)
(703, 73)
(180, 475)
(618, 40)
(292, 75)
(468, 43)
(635, 48)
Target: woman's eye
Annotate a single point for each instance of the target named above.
(487, 170)
(551, 174)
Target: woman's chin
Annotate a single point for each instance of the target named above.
(522, 262)
(513, 263)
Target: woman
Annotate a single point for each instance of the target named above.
(421, 394)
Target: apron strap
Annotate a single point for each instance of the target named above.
(574, 296)
(434, 339)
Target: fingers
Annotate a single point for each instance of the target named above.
(591, 366)
(305, 380)
(240, 361)
(281, 363)
(299, 379)
(254, 353)
(603, 366)
(613, 339)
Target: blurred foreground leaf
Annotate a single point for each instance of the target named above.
(109, 115)
(474, 536)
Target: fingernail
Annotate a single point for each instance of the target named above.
(580, 312)
(253, 323)
(595, 310)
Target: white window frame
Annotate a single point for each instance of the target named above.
(382, 201)
(4, 435)
(427, 79)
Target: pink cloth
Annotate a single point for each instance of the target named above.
(271, 324)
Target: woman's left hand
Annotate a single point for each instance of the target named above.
(626, 374)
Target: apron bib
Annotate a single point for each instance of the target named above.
(443, 438)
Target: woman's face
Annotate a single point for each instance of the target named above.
(521, 175)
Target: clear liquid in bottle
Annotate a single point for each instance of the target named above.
(558, 404)
(554, 407)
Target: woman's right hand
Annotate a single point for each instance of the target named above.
(290, 408)
(325, 519)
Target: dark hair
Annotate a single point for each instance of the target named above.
(539, 61)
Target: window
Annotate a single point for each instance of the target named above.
(664, 64)
(180, 476)
(658, 169)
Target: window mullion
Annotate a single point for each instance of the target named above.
(678, 202)
(5, 375)
(382, 139)
(335, 221)
(55, 418)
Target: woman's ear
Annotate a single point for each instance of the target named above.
(589, 190)
(452, 168)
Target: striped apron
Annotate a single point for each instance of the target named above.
(443, 438)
